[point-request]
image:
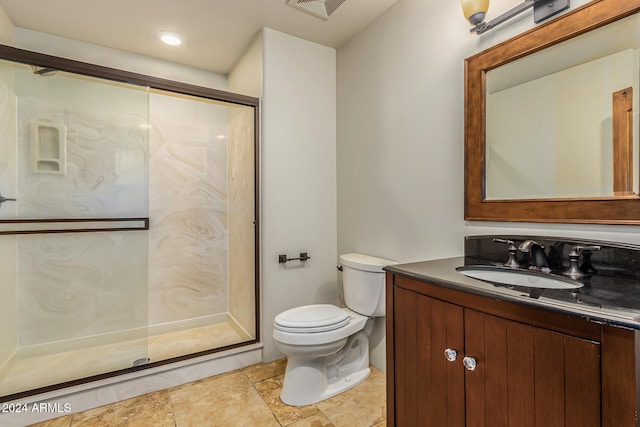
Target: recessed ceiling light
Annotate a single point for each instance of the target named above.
(170, 38)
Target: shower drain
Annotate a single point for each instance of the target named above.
(141, 361)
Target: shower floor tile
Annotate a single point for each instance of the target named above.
(247, 397)
(174, 344)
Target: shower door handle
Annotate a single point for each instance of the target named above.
(5, 199)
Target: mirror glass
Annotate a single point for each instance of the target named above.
(562, 122)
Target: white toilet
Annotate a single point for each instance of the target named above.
(327, 347)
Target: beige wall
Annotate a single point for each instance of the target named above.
(400, 122)
(246, 75)
(6, 29)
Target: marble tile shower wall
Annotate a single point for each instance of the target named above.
(80, 285)
(241, 209)
(106, 157)
(188, 239)
(76, 286)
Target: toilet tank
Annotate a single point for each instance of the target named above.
(363, 283)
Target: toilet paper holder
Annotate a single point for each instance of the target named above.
(303, 257)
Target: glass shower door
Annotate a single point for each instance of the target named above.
(128, 224)
(202, 287)
(75, 159)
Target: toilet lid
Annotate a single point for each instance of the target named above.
(311, 318)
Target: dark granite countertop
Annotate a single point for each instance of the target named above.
(603, 298)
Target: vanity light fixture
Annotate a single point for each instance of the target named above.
(475, 11)
(172, 39)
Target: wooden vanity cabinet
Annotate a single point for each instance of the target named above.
(532, 367)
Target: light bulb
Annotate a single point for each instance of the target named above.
(170, 38)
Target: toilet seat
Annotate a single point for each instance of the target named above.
(312, 319)
(355, 322)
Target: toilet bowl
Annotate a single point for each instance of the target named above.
(327, 347)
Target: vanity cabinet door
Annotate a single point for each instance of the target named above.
(455, 366)
(429, 387)
(527, 376)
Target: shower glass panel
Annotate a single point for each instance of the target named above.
(127, 223)
(82, 146)
(201, 234)
(74, 304)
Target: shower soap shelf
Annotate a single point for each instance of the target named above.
(48, 148)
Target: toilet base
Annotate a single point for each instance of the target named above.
(308, 381)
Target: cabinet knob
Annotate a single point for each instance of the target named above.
(469, 363)
(451, 355)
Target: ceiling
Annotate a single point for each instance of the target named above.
(216, 32)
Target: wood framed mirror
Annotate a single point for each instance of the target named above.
(619, 202)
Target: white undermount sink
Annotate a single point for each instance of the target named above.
(525, 278)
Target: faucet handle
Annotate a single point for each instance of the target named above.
(512, 262)
(508, 242)
(574, 270)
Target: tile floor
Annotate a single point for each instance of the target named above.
(247, 397)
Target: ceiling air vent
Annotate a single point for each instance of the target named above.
(320, 8)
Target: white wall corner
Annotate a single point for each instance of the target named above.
(246, 75)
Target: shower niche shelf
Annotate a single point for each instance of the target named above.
(48, 148)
